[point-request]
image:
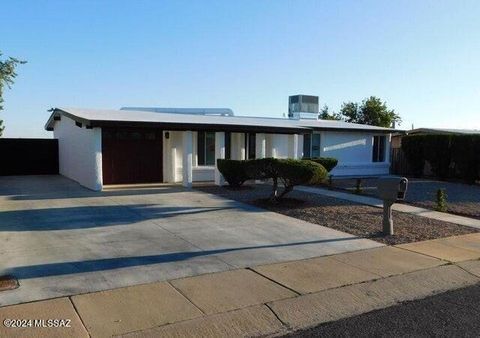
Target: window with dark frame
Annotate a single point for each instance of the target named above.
(205, 148)
(378, 153)
(315, 145)
(307, 145)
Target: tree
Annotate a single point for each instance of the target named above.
(371, 111)
(7, 76)
(325, 114)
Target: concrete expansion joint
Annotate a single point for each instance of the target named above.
(273, 280)
(186, 297)
(447, 262)
(469, 272)
(285, 324)
(80, 317)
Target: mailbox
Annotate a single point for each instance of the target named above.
(390, 189)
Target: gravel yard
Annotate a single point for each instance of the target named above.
(463, 199)
(356, 219)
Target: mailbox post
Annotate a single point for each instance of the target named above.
(390, 190)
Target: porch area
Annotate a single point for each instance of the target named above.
(191, 156)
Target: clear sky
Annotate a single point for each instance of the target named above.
(422, 57)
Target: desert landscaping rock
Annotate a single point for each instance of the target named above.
(360, 220)
(463, 199)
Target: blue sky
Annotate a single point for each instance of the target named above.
(422, 57)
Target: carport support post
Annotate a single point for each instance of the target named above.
(187, 140)
(261, 146)
(293, 146)
(219, 154)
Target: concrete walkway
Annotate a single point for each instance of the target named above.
(375, 202)
(264, 300)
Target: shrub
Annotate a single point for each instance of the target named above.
(450, 156)
(288, 171)
(441, 200)
(327, 162)
(297, 172)
(234, 172)
(412, 146)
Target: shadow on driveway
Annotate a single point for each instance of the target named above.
(84, 217)
(66, 268)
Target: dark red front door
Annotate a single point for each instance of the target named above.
(131, 155)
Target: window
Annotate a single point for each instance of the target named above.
(311, 145)
(206, 148)
(228, 145)
(315, 145)
(378, 154)
(307, 145)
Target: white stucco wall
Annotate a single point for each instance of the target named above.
(80, 153)
(280, 145)
(354, 153)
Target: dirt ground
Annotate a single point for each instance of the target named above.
(360, 220)
(462, 199)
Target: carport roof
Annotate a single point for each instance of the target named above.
(173, 121)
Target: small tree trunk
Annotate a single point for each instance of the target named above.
(285, 191)
(274, 195)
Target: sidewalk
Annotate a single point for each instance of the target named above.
(264, 300)
(375, 202)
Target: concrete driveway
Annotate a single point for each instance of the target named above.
(61, 239)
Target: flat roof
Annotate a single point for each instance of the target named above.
(175, 121)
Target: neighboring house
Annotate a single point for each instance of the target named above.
(140, 145)
(397, 138)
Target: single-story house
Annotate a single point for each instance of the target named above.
(140, 145)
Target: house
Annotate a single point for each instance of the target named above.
(140, 145)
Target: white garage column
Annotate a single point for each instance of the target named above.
(238, 146)
(300, 146)
(97, 144)
(187, 163)
(219, 154)
(261, 146)
(293, 146)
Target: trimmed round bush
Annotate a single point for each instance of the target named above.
(233, 171)
(327, 162)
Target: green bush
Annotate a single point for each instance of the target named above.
(234, 172)
(441, 200)
(450, 156)
(412, 146)
(287, 171)
(298, 172)
(327, 162)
